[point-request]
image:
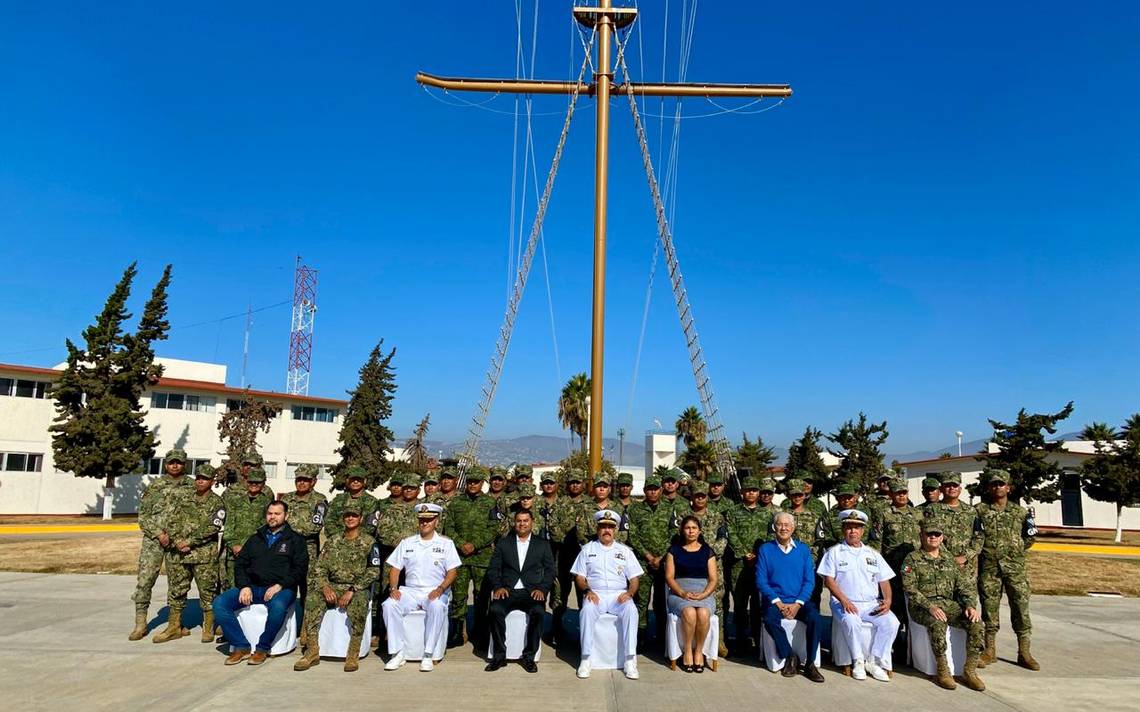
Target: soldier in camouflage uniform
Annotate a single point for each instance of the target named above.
(813, 504)
(809, 525)
(897, 528)
(249, 461)
(718, 501)
(624, 497)
(342, 578)
(398, 521)
(880, 499)
(586, 509)
(497, 488)
(652, 524)
(962, 529)
(931, 494)
(749, 526)
(1008, 532)
(431, 487)
(354, 481)
(715, 529)
(245, 513)
(846, 497)
(671, 488)
(193, 521)
(554, 508)
(307, 509)
(524, 500)
(521, 475)
(939, 594)
(473, 524)
(448, 484)
(567, 547)
(767, 494)
(154, 506)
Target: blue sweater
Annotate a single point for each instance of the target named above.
(788, 577)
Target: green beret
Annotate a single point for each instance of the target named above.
(993, 476)
(931, 483)
(749, 482)
(353, 506)
(898, 484)
(698, 487)
(306, 471)
(715, 478)
(652, 481)
(205, 471)
(356, 472)
(624, 478)
(767, 484)
(847, 488)
(951, 478)
(176, 455)
(526, 489)
(252, 458)
(255, 475)
(795, 486)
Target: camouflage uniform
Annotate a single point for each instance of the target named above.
(196, 520)
(937, 581)
(748, 528)
(475, 521)
(334, 515)
(962, 532)
(651, 530)
(307, 518)
(244, 515)
(557, 517)
(715, 531)
(584, 521)
(1007, 533)
(154, 507)
(344, 565)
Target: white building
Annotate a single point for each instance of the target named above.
(183, 409)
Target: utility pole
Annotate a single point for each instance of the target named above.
(604, 20)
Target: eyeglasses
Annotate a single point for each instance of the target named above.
(933, 533)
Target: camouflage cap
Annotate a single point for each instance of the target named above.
(749, 482)
(898, 484)
(356, 472)
(499, 473)
(951, 478)
(715, 478)
(252, 458)
(672, 474)
(397, 478)
(523, 471)
(431, 478)
(205, 472)
(548, 476)
(306, 471)
(448, 473)
(476, 473)
(603, 479)
(933, 523)
(575, 475)
(795, 486)
(995, 476)
(930, 483)
(526, 489)
(176, 455)
(624, 478)
(698, 487)
(255, 475)
(651, 482)
(846, 488)
(411, 481)
(352, 505)
(886, 474)
(767, 484)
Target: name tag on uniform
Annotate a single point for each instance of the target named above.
(619, 555)
(872, 561)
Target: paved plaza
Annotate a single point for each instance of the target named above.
(65, 647)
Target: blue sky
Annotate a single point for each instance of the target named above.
(939, 227)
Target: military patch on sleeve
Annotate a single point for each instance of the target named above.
(374, 519)
(374, 555)
(979, 527)
(722, 532)
(219, 517)
(319, 513)
(907, 569)
(495, 514)
(623, 524)
(819, 531)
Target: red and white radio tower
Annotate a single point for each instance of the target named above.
(301, 333)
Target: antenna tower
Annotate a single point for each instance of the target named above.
(301, 332)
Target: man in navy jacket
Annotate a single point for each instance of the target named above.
(785, 576)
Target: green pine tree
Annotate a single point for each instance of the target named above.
(98, 429)
(1022, 451)
(859, 444)
(755, 456)
(238, 429)
(804, 459)
(364, 437)
(1112, 474)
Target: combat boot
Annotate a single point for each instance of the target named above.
(970, 673)
(311, 657)
(943, 678)
(1024, 657)
(173, 630)
(453, 639)
(722, 649)
(208, 626)
(351, 662)
(989, 655)
(139, 631)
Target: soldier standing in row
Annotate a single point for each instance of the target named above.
(624, 492)
(749, 526)
(880, 499)
(718, 501)
(473, 524)
(249, 461)
(931, 494)
(193, 522)
(1009, 531)
(245, 513)
(555, 509)
(811, 502)
(568, 547)
(448, 484)
(897, 528)
(846, 497)
(652, 524)
(587, 508)
(341, 578)
(153, 507)
(962, 529)
(307, 510)
(354, 481)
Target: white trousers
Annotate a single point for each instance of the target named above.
(885, 628)
(608, 603)
(435, 622)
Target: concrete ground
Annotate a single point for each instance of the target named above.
(65, 646)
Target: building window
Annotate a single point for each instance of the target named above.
(270, 470)
(233, 404)
(153, 466)
(320, 415)
(21, 461)
(24, 389)
(178, 401)
(194, 465)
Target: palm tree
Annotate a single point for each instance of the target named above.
(691, 426)
(699, 459)
(573, 412)
(414, 450)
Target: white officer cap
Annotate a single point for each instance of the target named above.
(607, 517)
(853, 516)
(428, 510)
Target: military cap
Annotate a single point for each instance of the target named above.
(931, 483)
(411, 480)
(933, 523)
(715, 478)
(652, 481)
(898, 484)
(255, 475)
(497, 472)
(607, 518)
(306, 471)
(397, 478)
(526, 471)
(205, 472)
(672, 474)
(951, 478)
(353, 506)
(448, 473)
(548, 476)
(176, 455)
(698, 487)
(886, 474)
(847, 488)
(853, 516)
(795, 486)
(428, 510)
(356, 472)
(767, 484)
(476, 473)
(603, 479)
(624, 478)
(993, 476)
(749, 482)
(431, 478)
(252, 458)
(526, 489)
(575, 475)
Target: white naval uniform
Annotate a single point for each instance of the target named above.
(608, 571)
(858, 571)
(425, 563)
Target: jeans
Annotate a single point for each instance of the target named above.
(227, 605)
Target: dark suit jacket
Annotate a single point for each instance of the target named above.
(536, 572)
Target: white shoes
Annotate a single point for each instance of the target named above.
(858, 670)
(426, 664)
(631, 669)
(878, 672)
(584, 669)
(396, 662)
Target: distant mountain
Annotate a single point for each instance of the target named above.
(536, 448)
(973, 447)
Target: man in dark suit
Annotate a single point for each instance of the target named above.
(521, 575)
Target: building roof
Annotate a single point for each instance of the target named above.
(1069, 447)
(187, 384)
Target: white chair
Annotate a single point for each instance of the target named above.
(673, 641)
(414, 635)
(841, 652)
(515, 638)
(252, 621)
(609, 646)
(336, 633)
(922, 655)
(797, 633)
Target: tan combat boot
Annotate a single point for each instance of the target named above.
(1024, 657)
(989, 655)
(943, 678)
(970, 673)
(173, 630)
(312, 657)
(351, 661)
(139, 631)
(208, 627)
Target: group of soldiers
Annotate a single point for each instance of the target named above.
(183, 521)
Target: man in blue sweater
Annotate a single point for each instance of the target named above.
(785, 576)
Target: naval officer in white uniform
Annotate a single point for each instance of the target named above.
(606, 572)
(430, 563)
